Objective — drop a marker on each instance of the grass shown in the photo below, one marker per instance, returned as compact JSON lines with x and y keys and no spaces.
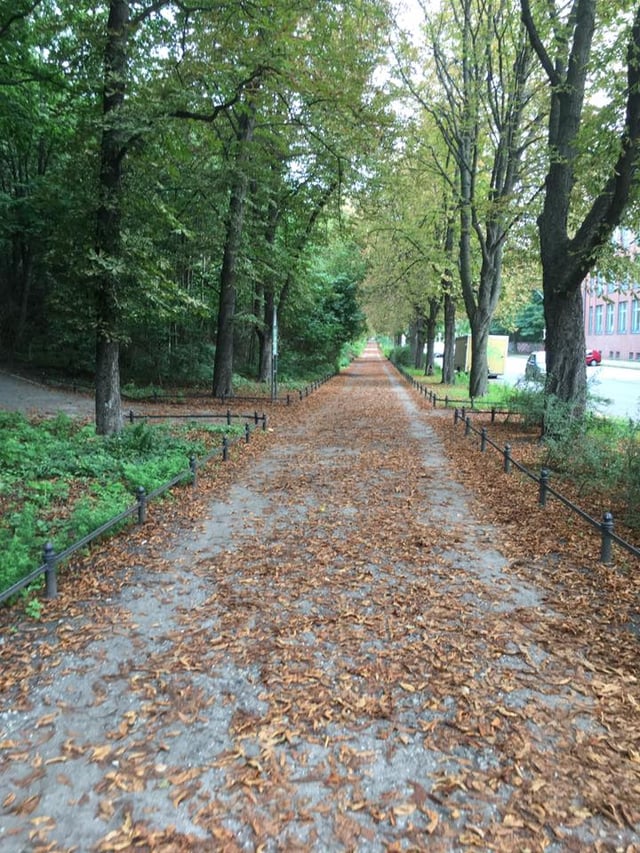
{"x":59,"y":481}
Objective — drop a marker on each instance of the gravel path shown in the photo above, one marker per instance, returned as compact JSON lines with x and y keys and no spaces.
{"x":335,"y":658}
{"x":18,"y":394}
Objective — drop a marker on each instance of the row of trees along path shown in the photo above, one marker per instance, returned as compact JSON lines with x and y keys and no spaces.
{"x":325,"y":649}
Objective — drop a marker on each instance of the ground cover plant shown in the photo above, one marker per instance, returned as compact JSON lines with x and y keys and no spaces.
{"x":60,"y":481}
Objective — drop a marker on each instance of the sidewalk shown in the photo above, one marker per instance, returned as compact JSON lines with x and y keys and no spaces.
{"x":336,"y":657}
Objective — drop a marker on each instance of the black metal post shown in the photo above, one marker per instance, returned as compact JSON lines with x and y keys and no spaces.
{"x":483,"y":439}
{"x":467,"y":426}
{"x":507,"y":459}
{"x":50,"y":572}
{"x":544,"y":482}
{"x":247,"y":433}
{"x":606,"y":548}
{"x":141,"y":497}
{"x":225,"y":448}
{"x":193,"y":465}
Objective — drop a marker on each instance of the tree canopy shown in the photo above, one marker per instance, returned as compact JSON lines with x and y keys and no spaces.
{"x":176,"y":176}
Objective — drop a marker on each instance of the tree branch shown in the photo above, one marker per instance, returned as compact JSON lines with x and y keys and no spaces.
{"x":17,"y":16}
{"x":536,"y":43}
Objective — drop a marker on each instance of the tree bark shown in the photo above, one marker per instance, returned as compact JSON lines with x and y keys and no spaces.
{"x":223,"y":362}
{"x":448,"y":367}
{"x":431,"y":321}
{"x":108,"y":237}
{"x":265,"y":336}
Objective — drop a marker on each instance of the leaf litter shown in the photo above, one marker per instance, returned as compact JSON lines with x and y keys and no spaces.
{"x":354,"y":636}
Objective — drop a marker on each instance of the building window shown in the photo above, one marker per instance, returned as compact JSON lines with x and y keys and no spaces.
{"x":610,"y":318}
{"x":590,"y":326}
{"x":635,"y":316}
{"x":622,"y":318}
{"x":599,"y":319}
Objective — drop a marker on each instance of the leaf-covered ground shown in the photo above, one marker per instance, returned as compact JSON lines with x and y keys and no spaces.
{"x":342,"y":642}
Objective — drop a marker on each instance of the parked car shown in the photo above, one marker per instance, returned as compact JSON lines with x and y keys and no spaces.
{"x":536,"y":365}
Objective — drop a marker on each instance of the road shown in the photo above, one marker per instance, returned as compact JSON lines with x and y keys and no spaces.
{"x":619,"y":384}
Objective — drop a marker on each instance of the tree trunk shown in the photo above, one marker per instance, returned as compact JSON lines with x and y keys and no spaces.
{"x":431,"y":321}
{"x":223,"y":362}
{"x":112,"y":152}
{"x":448,"y":367}
{"x":479,"y":362}
{"x":417,"y":337}
{"x":565,"y":363}
{"x":265,"y":337}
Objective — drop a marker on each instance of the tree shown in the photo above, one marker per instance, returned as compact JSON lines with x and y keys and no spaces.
{"x":113,"y":148}
{"x":483,"y":66}
{"x":572,"y":234}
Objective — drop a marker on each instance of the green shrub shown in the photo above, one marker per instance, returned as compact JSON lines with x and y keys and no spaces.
{"x":43,"y":465}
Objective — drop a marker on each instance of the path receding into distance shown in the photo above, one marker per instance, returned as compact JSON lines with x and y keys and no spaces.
{"x":335,"y":657}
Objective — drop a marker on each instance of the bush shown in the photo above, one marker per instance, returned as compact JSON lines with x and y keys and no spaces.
{"x":401,"y":356}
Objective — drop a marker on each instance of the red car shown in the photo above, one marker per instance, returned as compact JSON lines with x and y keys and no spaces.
{"x":594,"y":356}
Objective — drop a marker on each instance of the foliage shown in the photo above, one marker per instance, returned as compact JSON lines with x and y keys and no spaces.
{"x":60,"y":481}
{"x":401,"y":356}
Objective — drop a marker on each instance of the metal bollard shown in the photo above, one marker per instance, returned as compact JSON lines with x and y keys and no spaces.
{"x":544,"y":483}
{"x":467,"y":426}
{"x":141,"y":497}
{"x":50,"y":571}
{"x":228,"y":417}
{"x":264,"y":423}
{"x":193,"y":465}
{"x":483,"y":439}
{"x":247,"y":433}
{"x":455,"y":416}
{"x":507,"y":459}
{"x":606,"y":547}
{"x":225,"y":448}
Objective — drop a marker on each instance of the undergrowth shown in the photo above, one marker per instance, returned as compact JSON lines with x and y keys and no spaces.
{"x":59,"y":481}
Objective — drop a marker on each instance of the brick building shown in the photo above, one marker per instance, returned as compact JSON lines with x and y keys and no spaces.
{"x":612,"y":310}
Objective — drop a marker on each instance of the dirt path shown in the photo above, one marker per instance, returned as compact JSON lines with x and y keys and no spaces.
{"x":335,"y":658}
{"x":18,"y":394}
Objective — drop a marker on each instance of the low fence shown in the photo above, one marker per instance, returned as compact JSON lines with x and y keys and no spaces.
{"x":444,"y":399}
{"x":605,"y":526}
{"x":156,"y":397}
{"x":51,"y":559}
